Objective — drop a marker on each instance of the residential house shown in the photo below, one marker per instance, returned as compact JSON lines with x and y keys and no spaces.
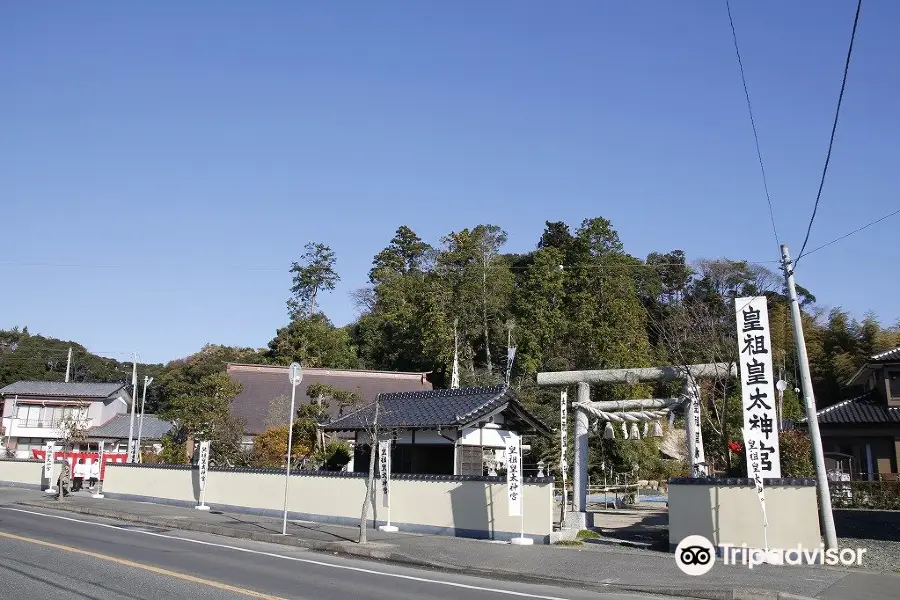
{"x":114,"y":433}
{"x":864,"y":430}
{"x":443,"y":432}
{"x":33,"y":411}
{"x":267,"y":387}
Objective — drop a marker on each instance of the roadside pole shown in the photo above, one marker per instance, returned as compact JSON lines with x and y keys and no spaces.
{"x":809,"y":400}
{"x":296,"y":376}
{"x":49,"y":456}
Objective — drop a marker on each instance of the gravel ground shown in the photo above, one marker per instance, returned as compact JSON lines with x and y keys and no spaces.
{"x":880,"y":555}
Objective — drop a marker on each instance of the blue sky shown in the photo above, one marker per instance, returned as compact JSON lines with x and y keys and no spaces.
{"x":177,"y":156}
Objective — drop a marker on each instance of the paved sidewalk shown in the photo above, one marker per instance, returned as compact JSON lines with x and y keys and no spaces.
{"x":594,"y":566}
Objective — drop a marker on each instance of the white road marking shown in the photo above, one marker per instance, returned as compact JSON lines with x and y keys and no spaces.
{"x":294,"y":558}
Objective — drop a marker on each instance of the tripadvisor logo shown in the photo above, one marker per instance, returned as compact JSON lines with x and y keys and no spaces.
{"x":695,"y":555}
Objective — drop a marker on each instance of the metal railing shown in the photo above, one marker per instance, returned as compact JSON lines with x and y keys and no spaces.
{"x":44,"y":423}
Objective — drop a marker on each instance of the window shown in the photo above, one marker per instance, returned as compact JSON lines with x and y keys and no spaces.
{"x":894,"y":384}
{"x":29,"y":444}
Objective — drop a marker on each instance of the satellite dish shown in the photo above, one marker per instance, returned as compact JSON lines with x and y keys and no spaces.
{"x":781,"y":385}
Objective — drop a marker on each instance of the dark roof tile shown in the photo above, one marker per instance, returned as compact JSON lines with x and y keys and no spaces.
{"x":437,"y":408}
{"x":861,"y":410}
{"x":61,"y":389}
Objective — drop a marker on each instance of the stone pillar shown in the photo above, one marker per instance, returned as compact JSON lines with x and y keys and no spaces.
{"x":581,"y":450}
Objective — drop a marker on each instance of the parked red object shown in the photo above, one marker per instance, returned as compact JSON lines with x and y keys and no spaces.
{"x":89,"y":458}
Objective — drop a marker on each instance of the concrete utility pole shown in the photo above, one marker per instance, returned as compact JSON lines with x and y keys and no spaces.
{"x":134,"y":392}
{"x":147,"y":381}
{"x":68,"y":364}
{"x":810,"y":402}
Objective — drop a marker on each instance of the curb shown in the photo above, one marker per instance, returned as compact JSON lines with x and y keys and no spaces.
{"x":354,"y":550}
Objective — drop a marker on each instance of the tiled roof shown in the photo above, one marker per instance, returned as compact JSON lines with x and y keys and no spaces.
{"x":118,"y":428}
{"x":263,"y":383}
{"x":59,"y":388}
{"x":862,"y":410}
{"x":438,"y":408}
{"x":888,"y":355}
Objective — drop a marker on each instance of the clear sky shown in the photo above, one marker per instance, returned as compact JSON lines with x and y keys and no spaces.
{"x":162,"y":163}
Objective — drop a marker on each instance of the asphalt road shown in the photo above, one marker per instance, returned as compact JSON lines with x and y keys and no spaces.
{"x":51,"y":555}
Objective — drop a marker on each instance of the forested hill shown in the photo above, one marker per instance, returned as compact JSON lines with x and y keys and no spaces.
{"x":578,"y":300}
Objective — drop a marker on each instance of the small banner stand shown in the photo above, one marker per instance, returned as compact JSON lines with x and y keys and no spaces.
{"x":515,"y":489}
{"x":384,"y":468}
{"x":99,"y":492}
{"x":204,"y":470}
{"x":49,"y":456}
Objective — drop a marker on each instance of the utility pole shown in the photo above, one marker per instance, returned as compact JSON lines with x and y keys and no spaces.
{"x":134,"y":392}
{"x":147,"y":381}
{"x":68,"y":364}
{"x":810,"y":403}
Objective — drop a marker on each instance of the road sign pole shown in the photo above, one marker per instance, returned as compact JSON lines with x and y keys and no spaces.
{"x":296,"y":376}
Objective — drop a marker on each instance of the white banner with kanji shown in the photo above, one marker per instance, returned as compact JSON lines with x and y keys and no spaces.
{"x":758,"y":388}
{"x":384,"y":469}
{"x":514,"y":486}
{"x":203,"y":463}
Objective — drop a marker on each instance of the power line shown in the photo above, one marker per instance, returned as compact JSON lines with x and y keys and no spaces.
{"x":762,"y":169}
{"x":855,"y":231}
{"x":837,"y":113}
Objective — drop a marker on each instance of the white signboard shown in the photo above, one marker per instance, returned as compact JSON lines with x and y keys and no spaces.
{"x":49,"y":455}
{"x":757,"y":387}
{"x":699,"y":453}
{"x":204,"y":463}
{"x":514,"y":485}
{"x":384,"y":468}
{"x":563,"y":428}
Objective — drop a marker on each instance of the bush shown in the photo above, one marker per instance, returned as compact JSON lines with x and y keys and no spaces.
{"x":877,"y":495}
{"x":335,"y":456}
{"x":796,"y":454}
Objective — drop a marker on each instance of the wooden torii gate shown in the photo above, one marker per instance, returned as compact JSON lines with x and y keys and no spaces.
{"x":584,"y":408}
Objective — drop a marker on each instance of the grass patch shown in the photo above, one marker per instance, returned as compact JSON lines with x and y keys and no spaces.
{"x":587,"y":534}
{"x":569,"y":543}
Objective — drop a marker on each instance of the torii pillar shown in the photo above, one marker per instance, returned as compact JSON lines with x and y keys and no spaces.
{"x":583,"y":379}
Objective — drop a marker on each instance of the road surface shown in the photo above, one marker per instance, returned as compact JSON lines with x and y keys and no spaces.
{"x":48,"y":555}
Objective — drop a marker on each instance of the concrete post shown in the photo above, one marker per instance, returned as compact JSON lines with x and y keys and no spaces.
{"x":581,"y":449}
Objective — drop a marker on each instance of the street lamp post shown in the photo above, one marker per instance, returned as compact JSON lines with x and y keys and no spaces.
{"x":147,"y":381}
{"x":296,"y":376}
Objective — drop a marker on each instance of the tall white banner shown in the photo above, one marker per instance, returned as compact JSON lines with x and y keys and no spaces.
{"x":564,"y":444}
{"x":514,"y":486}
{"x":49,"y":455}
{"x":758,"y":388}
{"x":203,"y":463}
{"x":384,"y":468}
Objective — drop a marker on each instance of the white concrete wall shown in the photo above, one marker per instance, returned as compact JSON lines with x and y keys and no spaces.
{"x":731,"y":514}
{"x":428,"y":505}
{"x":24,"y":473}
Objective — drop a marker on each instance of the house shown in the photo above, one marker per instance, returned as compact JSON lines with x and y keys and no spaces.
{"x":267,"y":390}
{"x":864,"y":430}
{"x":34,"y":410}
{"x":114,"y":433}
{"x":442,"y":432}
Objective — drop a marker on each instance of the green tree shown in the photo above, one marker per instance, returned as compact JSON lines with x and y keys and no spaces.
{"x":315,"y":272}
{"x":203,"y":412}
{"x":313,"y":341}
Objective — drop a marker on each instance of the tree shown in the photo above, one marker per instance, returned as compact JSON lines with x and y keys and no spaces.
{"x":203,"y":412}
{"x":313,"y":341}
{"x":315,"y":272}
{"x":371,"y":430}
{"x":270,"y":448}
{"x":405,"y":254}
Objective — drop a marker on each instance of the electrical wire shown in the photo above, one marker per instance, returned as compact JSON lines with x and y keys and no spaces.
{"x":834,"y":125}
{"x":762,"y":169}
{"x":855,"y":231}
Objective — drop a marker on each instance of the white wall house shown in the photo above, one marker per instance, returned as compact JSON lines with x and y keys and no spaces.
{"x":34,"y":410}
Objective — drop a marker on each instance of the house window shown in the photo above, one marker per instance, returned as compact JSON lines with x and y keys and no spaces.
{"x":29,"y":444}
{"x":894,"y":384}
